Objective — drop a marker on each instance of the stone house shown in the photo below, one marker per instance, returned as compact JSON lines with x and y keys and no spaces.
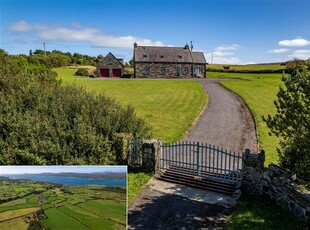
{"x":110,"y":66}
{"x":168,"y":62}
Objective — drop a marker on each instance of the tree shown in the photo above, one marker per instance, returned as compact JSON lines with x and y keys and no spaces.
{"x":292,"y":121}
{"x":81,"y":72}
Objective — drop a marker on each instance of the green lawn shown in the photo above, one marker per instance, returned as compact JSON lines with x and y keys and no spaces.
{"x":168,"y":106}
{"x":258,"y":91}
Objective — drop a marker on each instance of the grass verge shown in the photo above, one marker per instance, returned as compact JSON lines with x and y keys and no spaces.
{"x":256,"y":213}
{"x":136,"y":182}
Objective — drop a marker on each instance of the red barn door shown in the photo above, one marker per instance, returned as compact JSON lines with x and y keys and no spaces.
{"x":116,"y":73}
{"x":104,"y":72}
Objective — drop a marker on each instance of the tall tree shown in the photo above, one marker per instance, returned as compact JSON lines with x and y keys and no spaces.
{"x":292,"y":121}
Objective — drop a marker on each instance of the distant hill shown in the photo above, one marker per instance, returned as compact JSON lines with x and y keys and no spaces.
{"x":97,"y":175}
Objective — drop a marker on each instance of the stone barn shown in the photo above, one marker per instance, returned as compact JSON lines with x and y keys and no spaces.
{"x":110,"y":66}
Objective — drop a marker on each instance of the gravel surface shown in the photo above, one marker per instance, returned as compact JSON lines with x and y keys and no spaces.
{"x":226,"y":121}
{"x":155,"y":210}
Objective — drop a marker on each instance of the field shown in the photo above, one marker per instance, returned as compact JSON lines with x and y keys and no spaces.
{"x":168,"y":106}
{"x":63,"y":207}
{"x":268,"y":68}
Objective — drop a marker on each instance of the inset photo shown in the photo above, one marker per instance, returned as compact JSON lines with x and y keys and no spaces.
{"x":63,"y":197}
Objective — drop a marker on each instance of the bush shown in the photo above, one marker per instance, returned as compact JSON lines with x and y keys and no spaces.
{"x":292,"y":121}
{"x":81,"y":72}
{"x":43,"y":122}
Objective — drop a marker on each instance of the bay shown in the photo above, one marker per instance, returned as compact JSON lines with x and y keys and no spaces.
{"x":71,"y":181}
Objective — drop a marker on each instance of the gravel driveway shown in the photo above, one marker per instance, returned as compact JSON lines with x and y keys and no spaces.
{"x":226,"y":122}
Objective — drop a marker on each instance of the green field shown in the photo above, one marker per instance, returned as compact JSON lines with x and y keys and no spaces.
{"x":64,"y":207}
{"x":258,"y":91}
{"x":168,"y":106}
{"x":247,"y":68}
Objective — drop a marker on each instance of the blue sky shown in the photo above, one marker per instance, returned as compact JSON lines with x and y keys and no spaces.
{"x":56,"y":169}
{"x":234,"y":31}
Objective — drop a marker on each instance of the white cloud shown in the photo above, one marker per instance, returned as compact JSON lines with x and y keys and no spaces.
{"x":23,"y":26}
{"x":294,"y":42}
{"x":300,"y":54}
{"x":225,"y":55}
{"x":278,"y":51}
{"x":227,"y":48}
{"x":81,"y":34}
{"x":221,"y":53}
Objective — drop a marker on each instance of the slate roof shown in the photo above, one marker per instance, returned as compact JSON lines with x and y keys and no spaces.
{"x":167,"y":55}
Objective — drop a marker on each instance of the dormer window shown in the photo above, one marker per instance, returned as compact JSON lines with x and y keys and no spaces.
{"x":144,"y":56}
{"x":180,"y":56}
{"x":161,"y":56}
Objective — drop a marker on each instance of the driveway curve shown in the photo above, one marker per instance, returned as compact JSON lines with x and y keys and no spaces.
{"x":225,"y":122}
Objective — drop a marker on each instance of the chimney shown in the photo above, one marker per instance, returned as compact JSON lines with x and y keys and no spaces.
{"x":135,"y":45}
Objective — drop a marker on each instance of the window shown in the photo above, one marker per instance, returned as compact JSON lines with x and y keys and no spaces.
{"x":185,"y":70}
{"x":180,"y":56}
{"x":177,"y":71}
{"x":161,"y":56}
{"x":162,"y":70}
{"x":147,"y":70}
{"x":144,"y":56}
{"x":110,"y":61}
{"x":197,"y":70}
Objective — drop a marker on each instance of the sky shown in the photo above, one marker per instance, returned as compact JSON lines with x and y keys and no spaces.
{"x":226,"y":31}
{"x":57,"y":169}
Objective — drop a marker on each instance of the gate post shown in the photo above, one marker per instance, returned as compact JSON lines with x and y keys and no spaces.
{"x":253,"y":168}
{"x":151,"y":154}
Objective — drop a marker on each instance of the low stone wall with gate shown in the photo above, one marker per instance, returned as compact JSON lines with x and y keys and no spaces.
{"x":273,"y":182}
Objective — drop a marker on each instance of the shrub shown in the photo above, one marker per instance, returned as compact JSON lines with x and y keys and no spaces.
{"x":43,"y":122}
{"x":292,"y":121}
{"x":81,"y":72}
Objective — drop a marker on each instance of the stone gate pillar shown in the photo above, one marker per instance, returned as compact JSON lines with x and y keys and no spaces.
{"x":151,"y":154}
{"x":253,"y":169}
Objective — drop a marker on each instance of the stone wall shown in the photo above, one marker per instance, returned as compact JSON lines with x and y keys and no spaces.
{"x":276,"y":183}
{"x":287,"y":191}
{"x":169,"y":70}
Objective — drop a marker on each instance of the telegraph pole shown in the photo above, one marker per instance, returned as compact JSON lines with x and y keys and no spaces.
{"x":212,"y":58}
{"x":44,"y":49}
